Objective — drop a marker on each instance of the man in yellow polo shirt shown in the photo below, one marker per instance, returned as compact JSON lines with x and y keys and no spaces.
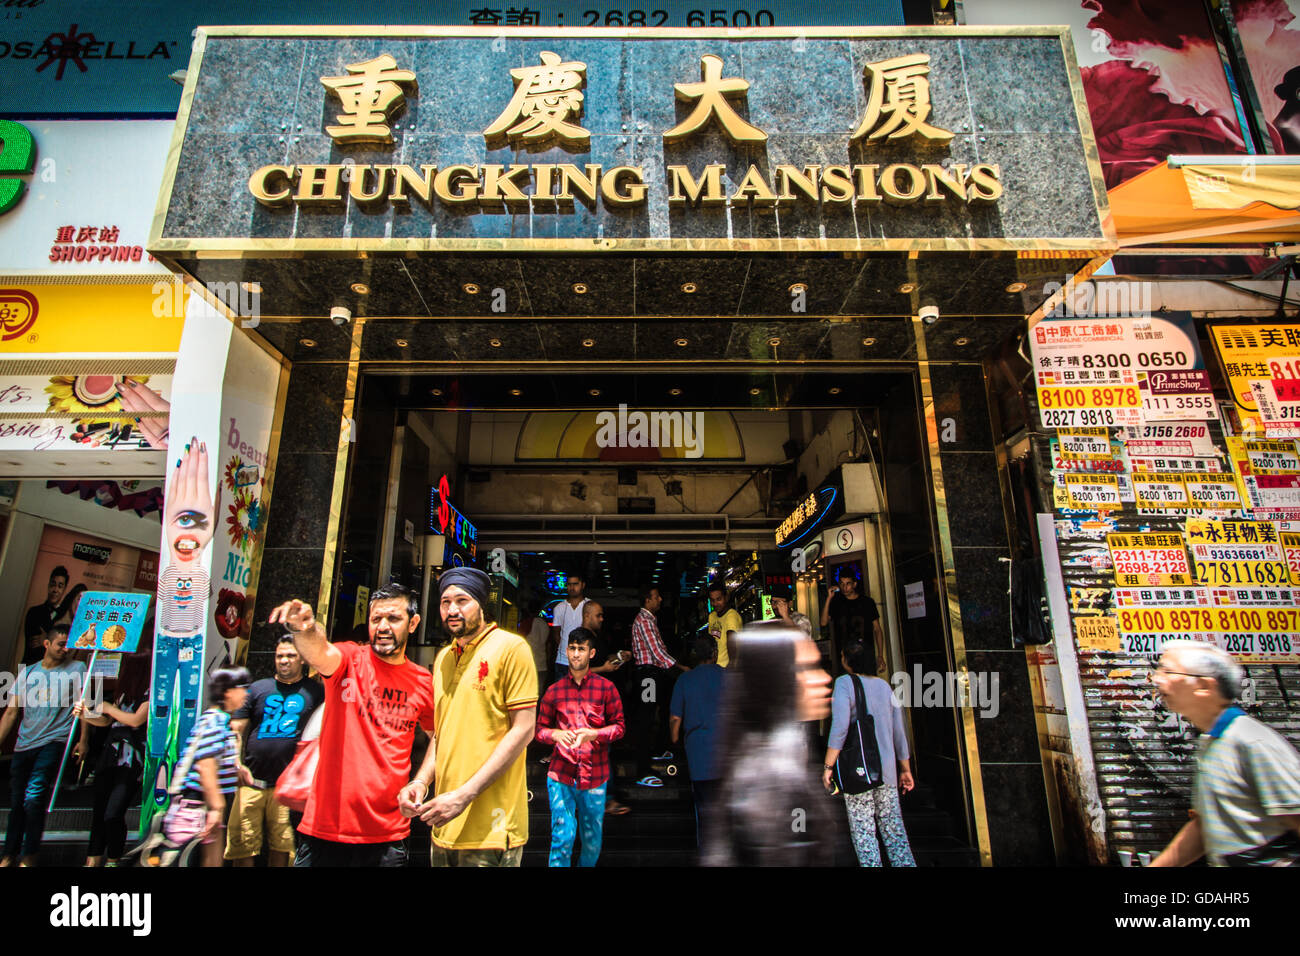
{"x":485,"y":698}
{"x":724,"y":623}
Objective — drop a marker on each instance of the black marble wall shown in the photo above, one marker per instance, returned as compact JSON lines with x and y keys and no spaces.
{"x":298,"y":519}
{"x":1014,"y":790}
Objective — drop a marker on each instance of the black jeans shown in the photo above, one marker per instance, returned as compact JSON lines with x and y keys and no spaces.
{"x":116,"y":788}
{"x":648,"y":738}
{"x":327,"y":853}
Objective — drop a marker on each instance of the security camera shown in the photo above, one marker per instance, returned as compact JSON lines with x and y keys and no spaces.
{"x":929,"y":314}
{"x":340,"y":316}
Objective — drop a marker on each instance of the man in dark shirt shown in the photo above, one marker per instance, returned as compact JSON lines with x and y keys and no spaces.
{"x":41,"y":617}
{"x":269,"y":724}
{"x":695,"y":709}
{"x":856,"y":618}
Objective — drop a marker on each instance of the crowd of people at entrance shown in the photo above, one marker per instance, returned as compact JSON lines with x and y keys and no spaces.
{"x":741,"y":710}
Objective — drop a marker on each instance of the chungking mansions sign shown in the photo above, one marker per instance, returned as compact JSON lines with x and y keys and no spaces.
{"x":834,"y":139}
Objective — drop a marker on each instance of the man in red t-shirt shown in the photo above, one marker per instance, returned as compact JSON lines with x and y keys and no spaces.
{"x":374,"y":698}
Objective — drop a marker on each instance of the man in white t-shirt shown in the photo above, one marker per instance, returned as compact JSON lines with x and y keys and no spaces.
{"x":567,"y":616}
{"x":45,"y":693}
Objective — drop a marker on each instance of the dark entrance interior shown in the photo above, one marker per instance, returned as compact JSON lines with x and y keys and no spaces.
{"x":695,"y":521}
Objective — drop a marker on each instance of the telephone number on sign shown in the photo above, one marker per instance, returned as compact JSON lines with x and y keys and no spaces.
{"x":1208,"y":619}
{"x":1094,"y":496}
{"x":1232,"y":572}
{"x":1212,"y":493}
{"x":1256,"y":643}
{"x":1178,"y":402}
{"x":694,"y":18}
{"x":1151,"y":567}
{"x":1148,"y":643}
{"x":1096,"y":396}
{"x":1071,"y":417}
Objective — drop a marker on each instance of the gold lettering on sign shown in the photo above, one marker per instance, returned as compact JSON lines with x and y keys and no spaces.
{"x":710,"y":99}
{"x":837,"y":186}
{"x":406,"y":178}
{"x":684,"y":188}
{"x":318,"y":184}
{"x":517,"y":187}
{"x":546,"y":98}
{"x":753,"y":188}
{"x":370,"y":94}
{"x":259,"y":184}
{"x":499,"y":185}
{"x":805,"y":181}
{"x":898,"y":100}
{"x":633,"y":186}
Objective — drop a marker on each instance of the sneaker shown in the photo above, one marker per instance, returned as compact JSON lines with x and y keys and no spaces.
{"x":650,"y":781}
{"x":663,"y":757}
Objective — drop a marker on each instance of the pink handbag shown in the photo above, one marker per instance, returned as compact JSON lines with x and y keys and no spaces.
{"x":185,"y":820}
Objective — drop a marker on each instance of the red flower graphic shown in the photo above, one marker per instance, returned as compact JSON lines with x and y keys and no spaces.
{"x":482,"y":671}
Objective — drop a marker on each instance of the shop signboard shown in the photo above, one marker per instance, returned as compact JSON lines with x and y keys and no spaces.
{"x":809,"y":514}
{"x":1236,"y":553}
{"x":109,"y":621}
{"x":76,"y":56}
{"x":1149,"y":559}
{"x":449,"y":153}
{"x":445,"y":519}
{"x":1092,"y":492}
{"x":1105,"y":372}
{"x":89,"y":199}
{"x":1257,"y":634}
{"x":1162,"y":596}
{"x":1262,"y":365}
{"x":1267,"y":475}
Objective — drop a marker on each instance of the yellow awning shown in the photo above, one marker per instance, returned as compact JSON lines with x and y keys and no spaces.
{"x":1208,"y":203}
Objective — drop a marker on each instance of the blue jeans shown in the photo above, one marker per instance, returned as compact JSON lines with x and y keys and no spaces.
{"x":175,"y":657}
{"x":31,"y":773}
{"x":573,"y":810}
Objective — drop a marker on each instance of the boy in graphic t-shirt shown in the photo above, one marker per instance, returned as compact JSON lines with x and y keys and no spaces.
{"x":374,"y":699}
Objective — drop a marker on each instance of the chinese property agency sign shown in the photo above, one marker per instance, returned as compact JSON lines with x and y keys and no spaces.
{"x":833,"y":140}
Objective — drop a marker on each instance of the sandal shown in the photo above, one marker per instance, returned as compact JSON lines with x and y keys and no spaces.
{"x":617,"y":810}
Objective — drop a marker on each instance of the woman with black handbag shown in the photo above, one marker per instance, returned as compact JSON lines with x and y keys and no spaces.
{"x":868,"y":760}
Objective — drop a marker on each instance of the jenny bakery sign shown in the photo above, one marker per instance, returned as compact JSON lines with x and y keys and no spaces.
{"x":691,"y":139}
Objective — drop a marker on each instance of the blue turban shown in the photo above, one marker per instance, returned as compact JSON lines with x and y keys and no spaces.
{"x":471,"y":580}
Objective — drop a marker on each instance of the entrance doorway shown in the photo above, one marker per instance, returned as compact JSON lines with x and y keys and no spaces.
{"x":550,"y":477}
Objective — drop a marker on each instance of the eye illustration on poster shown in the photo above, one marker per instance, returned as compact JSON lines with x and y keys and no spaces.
{"x":189,"y":524}
{"x":189,"y":521}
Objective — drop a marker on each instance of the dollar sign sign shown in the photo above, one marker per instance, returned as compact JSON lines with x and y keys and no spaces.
{"x":444,"y":507}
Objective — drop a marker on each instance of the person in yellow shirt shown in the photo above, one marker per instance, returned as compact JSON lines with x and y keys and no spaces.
{"x":485,"y":697}
{"x":724,"y":624}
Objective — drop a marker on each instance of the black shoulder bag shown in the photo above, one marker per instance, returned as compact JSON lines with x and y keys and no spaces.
{"x":857,"y":768}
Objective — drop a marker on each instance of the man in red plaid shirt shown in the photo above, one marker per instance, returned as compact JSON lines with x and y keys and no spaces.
{"x":581,"y":715}
{"x":653,"y":669}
